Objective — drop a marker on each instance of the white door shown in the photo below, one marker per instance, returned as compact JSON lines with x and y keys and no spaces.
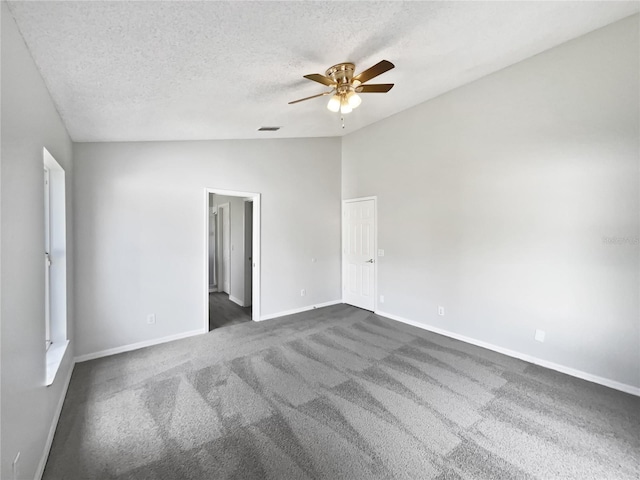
{"x":248,"y":252}
{"x":47,"y":259}
{"x":358,"y":247}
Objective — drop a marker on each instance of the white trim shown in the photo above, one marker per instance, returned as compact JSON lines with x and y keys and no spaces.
{"x":255,"y":254}
{"x":54,"y":425}
{"x":375,"y":246}
{"x":256,"y":258}
{"x":623,"y":387}
{"x":359,"y":199}
{"x":136,"y":346}
{"x":299,"y":310}
{"x":55,"y":354}
{"x":236,"y":300}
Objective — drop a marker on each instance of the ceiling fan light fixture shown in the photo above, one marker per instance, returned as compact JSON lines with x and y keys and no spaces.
{"x":334,"y":103}
{"x":354,"y":99}
{"x":345,"y":107}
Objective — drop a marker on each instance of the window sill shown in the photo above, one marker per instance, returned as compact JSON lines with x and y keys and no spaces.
{"x":55,"y":354}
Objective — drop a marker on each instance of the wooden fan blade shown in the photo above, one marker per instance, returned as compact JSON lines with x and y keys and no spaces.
{"x":375,"y":88}
{"x":378,"y":69}
{"x":309,"y":98}
{"x":316,"y":77}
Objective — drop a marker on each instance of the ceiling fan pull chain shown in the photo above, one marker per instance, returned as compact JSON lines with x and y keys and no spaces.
{"x":342,"y":120}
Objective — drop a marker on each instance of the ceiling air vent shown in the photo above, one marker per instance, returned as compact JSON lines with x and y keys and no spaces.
{"x":268,"y":129}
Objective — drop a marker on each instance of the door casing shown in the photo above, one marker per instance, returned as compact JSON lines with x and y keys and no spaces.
{"x":256,"y":252}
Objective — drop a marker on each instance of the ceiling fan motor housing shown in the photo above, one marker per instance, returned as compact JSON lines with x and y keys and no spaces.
{"x":341,"y":74}
{"x":345,"y":86}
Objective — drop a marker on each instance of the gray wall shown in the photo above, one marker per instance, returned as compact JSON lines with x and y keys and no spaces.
{"x":513,"y":202}
{"x":29,"y":123}
{"x":140,"y":230}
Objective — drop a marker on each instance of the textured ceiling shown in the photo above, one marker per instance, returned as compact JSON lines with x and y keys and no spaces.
{"x":151,"y":70}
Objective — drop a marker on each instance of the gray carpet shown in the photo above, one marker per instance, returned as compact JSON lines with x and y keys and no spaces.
{"x":337,"y":393}
{"x":223,"y":312}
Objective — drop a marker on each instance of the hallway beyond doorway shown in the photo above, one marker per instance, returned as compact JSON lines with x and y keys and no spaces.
{"x":223,"y":312}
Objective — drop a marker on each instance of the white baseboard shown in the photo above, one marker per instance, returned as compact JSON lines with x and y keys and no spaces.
{"x":299,"y":310}
{"x":236,"y":300}
{"x":54,"y":424}
{"x":136,"y":346}
{"x":623,"y":387}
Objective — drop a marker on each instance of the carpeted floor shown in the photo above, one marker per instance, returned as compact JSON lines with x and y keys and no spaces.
{"x":223,"y":312}
{"x":337,"y":393}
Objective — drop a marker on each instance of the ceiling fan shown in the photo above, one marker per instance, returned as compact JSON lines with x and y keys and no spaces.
{"x":345,"y":87}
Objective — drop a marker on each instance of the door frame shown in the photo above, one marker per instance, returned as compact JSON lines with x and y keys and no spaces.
{"x":245,"y":260}
{"x":255,"y":252}
{"x":375,"y":246}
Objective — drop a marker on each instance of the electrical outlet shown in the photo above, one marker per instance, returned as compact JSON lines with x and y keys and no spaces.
{"x":14,"y":466}
{"x":381,"y":298}
{"x":303,"y":292}
{"x":151,"y":319}
{"x":540,"y":334}
{"x":441,"y":311}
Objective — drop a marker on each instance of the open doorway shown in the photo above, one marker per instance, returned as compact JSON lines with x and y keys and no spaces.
{"x":232,"y":248}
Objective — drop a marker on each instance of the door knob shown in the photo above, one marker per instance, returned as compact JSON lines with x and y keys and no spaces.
{"x":369,"y":261}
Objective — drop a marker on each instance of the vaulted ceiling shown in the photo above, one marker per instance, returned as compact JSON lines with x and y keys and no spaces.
{"x":178,"y":70}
